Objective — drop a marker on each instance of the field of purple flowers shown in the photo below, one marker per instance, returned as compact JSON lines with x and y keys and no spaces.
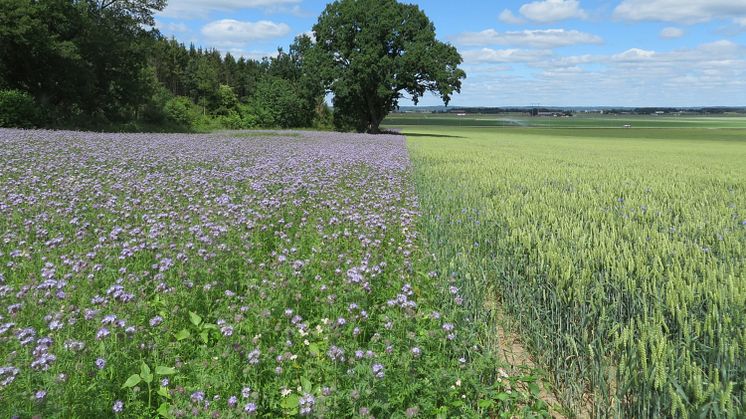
{"x":227,"y":276}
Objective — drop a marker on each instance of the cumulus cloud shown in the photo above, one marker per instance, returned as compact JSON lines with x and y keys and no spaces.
{"x":539,"y":38}
{"x":633,"y":55}
{"x":705,"y":75}
{"x":230,"y":31}
{"x":199,"y":8}
{"x":546,"y":11}
{"x":489,"y":55}
{"x":671,"y":33}
{"x":506,"y":16}
{"x":684,"y":11}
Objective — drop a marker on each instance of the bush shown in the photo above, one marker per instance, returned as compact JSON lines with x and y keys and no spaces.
{"x":232,"y":121}
{"x":18,"y":109}
{"x":323,"y":119}
{"x":277,"y":104}
{"x":154,"y":111}
{"x":179,"y":110}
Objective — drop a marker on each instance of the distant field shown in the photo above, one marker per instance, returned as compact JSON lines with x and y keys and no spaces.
{"x":578,"y":121}
{"x":618,"y":253}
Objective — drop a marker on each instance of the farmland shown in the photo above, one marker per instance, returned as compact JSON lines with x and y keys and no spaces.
{"x":618,"y":254}
{"x":278,"y":273}
{"x":231,"y":275}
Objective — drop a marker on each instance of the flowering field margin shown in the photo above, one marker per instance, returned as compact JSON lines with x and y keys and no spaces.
{"x":227,"y":276}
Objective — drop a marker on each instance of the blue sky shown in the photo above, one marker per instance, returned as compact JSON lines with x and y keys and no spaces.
{"x":522,"y":52}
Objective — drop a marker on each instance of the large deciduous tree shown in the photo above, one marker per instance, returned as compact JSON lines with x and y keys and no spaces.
{"x":370,"y":53}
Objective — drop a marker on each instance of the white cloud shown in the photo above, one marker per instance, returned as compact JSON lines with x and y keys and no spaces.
{"x":175,"y":27}
{"x":741,"y":22}
{"x":546,"y":11}
{"x":633,"y":55}
{"x":230,"y":31}
{"x":200,"y":8}
{"x":671,"y":33}
{"x":253,"y":55}
{"x":540,"y":38}
{"x":506,"y":16}
{"x":489,"y":55}
{"x":684,"y":11}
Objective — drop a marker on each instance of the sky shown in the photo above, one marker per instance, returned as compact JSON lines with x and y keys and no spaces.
{"x":526,"y":52}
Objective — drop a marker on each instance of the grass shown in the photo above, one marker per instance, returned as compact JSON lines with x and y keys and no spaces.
{"x":617,"y":253}
{"x":449,"y":121}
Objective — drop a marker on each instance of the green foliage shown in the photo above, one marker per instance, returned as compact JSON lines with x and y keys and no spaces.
{"x":617,"y":253}
{"x":93,"y":65}
{"x":369,"y":52}
{"x":323,"y":118}
{"x":180,"y":111}
{"x":18,"y":109}
{"x":227,"y":102}
{"x":86,"y":56}
{"x":277,"y":104}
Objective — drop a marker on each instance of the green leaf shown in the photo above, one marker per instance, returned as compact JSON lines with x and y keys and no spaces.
{"x":210,"y":326}
{"x":183,"y":334}
{"x":163,"y":410}
{"x":195,"y":318}
{"x":145,"y":373}
{"x":485,"y":403}
{"x":204,"y":335}
{"x":534,"y":389}
{"x":306,"y":384}
{"x":290,"y":402}
{"x":161,"y":370}
{"x":502,"y":396}
{"x":132,"y":381}
{"x":163,"y":391}
{"x":314,"y":349}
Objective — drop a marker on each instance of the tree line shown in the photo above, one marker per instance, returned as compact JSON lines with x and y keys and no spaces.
{"x":100,"y":64}
{"x":95,"y":64}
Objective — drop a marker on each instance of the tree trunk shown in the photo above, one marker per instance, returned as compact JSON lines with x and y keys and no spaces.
{"x":374,"y":127}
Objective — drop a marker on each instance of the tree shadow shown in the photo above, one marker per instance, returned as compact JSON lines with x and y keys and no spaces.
{"x":416,"y":134}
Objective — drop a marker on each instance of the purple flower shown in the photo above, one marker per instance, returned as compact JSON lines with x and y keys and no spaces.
{"x":306,"y":404}
{"x":102,"y":333}
{"x":232,"y":401}
{"x":245,"y":392}
{"x":198,"y":396}
{"x":118,"y":406}
{"x":378,"y":371}
{"x":254,"y":356}
{"x":40,"y":394}
{"x":250,"y":408}
{"x":336,"y":354}
{"x":155,"y":321}
{"x":100,"y":363}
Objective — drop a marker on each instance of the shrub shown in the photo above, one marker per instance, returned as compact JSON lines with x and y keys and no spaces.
{"x":179,"y":111}
{"x":17,"y":109}
{"x":277,"y":104}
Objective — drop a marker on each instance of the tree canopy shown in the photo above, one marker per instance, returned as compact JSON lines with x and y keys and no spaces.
{"x":97,"y":64}
{"x":370,"y":53}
